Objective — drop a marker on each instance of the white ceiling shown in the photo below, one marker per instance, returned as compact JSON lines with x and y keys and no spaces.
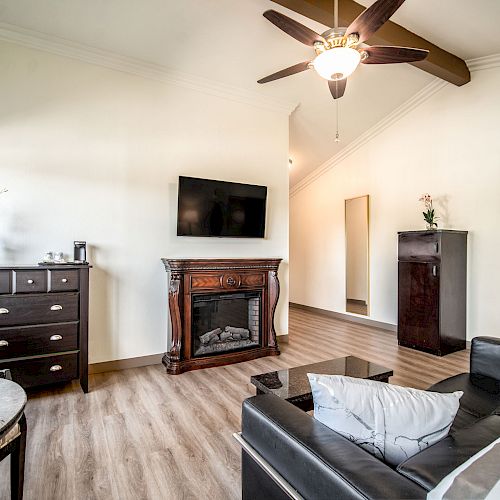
{"x":464,"y":28}
{"x":230,"y":42}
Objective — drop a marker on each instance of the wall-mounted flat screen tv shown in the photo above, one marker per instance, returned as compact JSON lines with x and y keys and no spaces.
{"x":217,"y":208}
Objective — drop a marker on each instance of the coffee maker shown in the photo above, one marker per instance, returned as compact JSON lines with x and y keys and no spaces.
{"x":80,"y":253}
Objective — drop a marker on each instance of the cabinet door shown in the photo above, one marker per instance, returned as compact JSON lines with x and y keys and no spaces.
{"x":418,"y":308}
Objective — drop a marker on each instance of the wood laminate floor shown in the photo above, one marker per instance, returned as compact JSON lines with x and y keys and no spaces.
{"x":142,"y":434}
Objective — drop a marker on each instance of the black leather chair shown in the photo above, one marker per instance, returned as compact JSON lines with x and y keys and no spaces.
{"x":289,"y":454}
{"x":481,"y":386}
{"x":477,"y":423}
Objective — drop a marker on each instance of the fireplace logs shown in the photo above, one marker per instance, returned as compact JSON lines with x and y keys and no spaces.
{"x":211,"y":336}
{"x":218,"y":341}
{"x":241,"y":332}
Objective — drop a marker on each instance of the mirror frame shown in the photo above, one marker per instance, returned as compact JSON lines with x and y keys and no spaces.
{"x":368,"y":295}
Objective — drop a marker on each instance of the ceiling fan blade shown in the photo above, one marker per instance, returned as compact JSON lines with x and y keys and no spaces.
{"x":379,"y":54}
{"x":371,"y":19}
{"x":296,"y":68}
{"x":293,"y":28}
{"x":337,"y":87}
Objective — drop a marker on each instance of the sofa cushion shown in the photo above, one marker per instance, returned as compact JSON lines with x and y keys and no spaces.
{"x":481,"y":397}
{"x":391,"y":422}
{"x":430,"y":466}
{"x":477,"y":478}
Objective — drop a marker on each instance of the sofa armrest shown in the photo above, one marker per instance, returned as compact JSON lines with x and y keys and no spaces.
{"x":485,"y":357}
{"x":313,"y":459}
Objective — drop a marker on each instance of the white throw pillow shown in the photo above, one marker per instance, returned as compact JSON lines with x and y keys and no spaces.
{"x":391,"y":422}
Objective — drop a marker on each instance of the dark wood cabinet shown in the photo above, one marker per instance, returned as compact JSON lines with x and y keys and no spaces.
{"x":44,"y":324}
{"x":432,"y":290}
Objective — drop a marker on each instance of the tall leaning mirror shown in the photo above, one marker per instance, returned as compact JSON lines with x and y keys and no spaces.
{"x":357,"y":214}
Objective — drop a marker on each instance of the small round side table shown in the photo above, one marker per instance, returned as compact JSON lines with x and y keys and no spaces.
{"x":13,"y":433}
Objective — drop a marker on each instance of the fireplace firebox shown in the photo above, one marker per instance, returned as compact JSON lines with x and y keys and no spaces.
{"x":222,"y":311}
{"x":224,"y":322}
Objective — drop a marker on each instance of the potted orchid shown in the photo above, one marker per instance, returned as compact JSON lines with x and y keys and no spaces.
{"x":429,"y":214}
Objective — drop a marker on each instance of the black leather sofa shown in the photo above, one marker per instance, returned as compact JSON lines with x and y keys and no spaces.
{"x":288,"y":454}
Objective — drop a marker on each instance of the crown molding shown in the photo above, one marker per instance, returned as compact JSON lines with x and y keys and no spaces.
{"x":486,"y":62}
{"x":62,"y":47}
{"x":420,"y":97}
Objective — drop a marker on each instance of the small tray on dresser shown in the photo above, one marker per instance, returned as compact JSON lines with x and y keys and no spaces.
{"x":65,"y":263}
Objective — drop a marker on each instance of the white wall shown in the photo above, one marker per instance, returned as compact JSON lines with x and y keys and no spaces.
{"x":94,"y":154}
{"x":447,"y":146}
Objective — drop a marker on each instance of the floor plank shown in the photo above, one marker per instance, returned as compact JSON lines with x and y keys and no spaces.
{"x":142,"y":434}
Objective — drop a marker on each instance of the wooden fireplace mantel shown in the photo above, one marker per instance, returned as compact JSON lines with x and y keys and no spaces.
{"x":189,"y":277}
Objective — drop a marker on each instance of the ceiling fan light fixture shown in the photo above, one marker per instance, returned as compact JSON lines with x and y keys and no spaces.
{"x":337,"y":63}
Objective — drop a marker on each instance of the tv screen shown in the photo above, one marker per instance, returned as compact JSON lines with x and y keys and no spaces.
{"x":224,"y":209}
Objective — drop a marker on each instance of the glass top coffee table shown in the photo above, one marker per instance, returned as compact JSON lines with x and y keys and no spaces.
{"x":292,"y":384}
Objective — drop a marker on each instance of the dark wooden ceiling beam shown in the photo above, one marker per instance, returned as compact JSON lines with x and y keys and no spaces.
{"x":439,"y":62}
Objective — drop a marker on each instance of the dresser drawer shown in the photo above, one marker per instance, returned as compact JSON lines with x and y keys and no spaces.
{"x":34,"y":340}
{"x":42,"y":308}
{"x":43,"y":370}
{"x":5,"y":281}
{"x":422,"y":246}
{"x":64,"y":281}
{"x":30,"y":281}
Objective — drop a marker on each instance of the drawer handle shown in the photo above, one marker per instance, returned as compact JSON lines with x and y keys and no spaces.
{"x":56,"y":307}
{"x":56,"y":337}
{"x":30,"y":282}
{"x":3,"y":343}
{"x":55,"y":368}
{"x":64,"y":280}
{"x":3,"y":310}
{"x":231,"y":281}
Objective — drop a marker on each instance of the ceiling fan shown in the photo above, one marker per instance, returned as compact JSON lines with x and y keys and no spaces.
{"x":338,"y":50}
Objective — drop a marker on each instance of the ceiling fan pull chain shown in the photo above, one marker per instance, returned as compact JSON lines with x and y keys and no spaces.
{"x":337,"y":134}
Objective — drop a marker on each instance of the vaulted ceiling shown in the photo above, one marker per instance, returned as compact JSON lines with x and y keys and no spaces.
{"x":230,"y":42}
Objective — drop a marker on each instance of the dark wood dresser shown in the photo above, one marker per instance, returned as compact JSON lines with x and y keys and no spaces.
{"x":44,"y":324}
{"x":432,"y":297}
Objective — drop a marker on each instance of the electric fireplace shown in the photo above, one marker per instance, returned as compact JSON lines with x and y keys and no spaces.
{"x":222,"y":311}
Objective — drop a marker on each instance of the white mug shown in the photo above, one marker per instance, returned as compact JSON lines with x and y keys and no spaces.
{"x":48,"y":257}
